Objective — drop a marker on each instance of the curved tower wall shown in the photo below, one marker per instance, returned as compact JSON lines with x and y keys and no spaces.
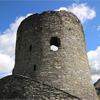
{"x":67,"y":68}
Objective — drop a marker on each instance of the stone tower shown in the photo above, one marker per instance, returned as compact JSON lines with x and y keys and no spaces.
{"x":51,"y":49}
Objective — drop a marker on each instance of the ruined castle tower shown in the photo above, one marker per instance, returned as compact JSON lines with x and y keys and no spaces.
{"x":51,"y":49}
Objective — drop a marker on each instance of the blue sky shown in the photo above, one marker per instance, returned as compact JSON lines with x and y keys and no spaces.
{"x":12,"y":12}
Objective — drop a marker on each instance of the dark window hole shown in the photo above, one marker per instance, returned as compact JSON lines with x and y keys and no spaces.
{"x":55,"y":41}
{"x":34,"y":67}
{"x":30,"y":48}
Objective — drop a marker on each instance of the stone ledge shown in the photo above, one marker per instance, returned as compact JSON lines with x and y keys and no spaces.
{"x":19,"y":87}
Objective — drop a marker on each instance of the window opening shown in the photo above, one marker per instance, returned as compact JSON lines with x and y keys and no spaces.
{"x":54,"y":43}
{"x":30,"y":48}
{"x":34,"y":67}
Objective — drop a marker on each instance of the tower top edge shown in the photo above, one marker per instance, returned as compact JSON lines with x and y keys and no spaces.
{"x":51,"y":12}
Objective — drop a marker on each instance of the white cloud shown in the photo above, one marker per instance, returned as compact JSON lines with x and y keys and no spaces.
{"x":94,"y":60}
{"x":82,"y":11}
{"x":7,"y":47}
{"x":95,"y":77}
{"x":98,"y":28}
{"x":53,"y":48}
{"x":5,"y":74}
{"x":62,"y":8}
{"x":5,"y":62}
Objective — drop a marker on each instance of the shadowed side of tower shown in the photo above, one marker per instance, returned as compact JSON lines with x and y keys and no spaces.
{"x":50,"y":48}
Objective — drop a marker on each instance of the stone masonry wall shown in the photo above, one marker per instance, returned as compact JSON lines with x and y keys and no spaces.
{"x":21,"y":88}
{"x":66,"y":69}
